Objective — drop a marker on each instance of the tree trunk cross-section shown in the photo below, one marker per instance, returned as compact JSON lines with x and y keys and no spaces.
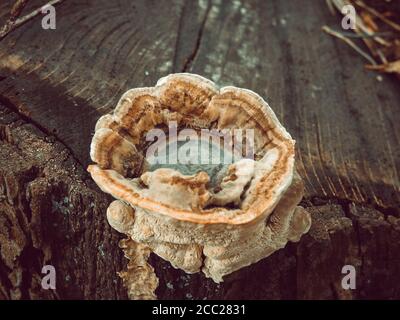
{"x":55,"y":84}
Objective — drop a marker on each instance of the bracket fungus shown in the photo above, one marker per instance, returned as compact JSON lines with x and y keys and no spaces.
{"x":215,"y":218}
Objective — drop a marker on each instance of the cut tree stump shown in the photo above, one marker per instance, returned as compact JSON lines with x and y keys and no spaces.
{"x":55,"y":84}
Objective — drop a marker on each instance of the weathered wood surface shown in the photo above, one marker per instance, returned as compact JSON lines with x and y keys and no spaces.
{"x":54,"y":85}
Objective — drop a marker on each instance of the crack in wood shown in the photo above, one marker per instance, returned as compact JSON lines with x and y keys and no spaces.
{"x":189,"y":61}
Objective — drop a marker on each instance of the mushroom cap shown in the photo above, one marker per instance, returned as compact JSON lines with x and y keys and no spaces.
{"x":196,"y":102}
